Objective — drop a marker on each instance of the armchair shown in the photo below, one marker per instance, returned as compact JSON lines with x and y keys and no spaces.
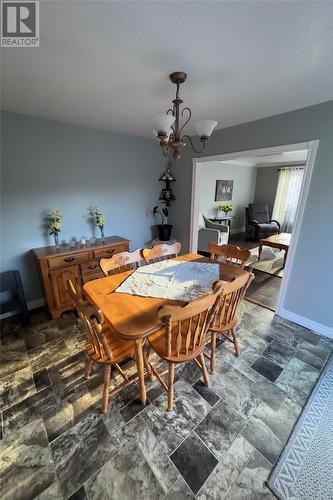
{"x":258,"y":222}
{"x":211,"y":232}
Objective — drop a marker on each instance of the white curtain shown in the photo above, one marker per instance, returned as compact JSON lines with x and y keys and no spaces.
{"x":287,"y":194}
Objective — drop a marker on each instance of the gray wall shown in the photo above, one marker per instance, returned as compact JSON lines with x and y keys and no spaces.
{"x":266,"y":185}
{"x":310,"y":293}
{"x":48,"y":164}
{"x":243,"y":189}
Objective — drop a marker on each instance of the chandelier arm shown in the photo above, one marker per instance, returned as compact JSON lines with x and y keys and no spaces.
{"x":193,"y":147}
{"x":165,"y":148}
{"x":189,"y":117}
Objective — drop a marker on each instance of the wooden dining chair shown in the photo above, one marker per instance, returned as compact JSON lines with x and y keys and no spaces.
{"x":121,"y":262}
{"x":182,"y":337}
{"x":225,"y":319}
{"x":161,"y":252}
{"x":230,"y":254}
{"x":102,"y":345}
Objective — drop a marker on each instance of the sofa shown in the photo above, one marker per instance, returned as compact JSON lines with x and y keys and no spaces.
{"x":211,"y":231}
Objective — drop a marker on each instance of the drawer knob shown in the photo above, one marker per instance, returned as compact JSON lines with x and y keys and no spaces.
{"x":69,"y":259}
{"x":110,"y":251}
{"x":93,"y":266}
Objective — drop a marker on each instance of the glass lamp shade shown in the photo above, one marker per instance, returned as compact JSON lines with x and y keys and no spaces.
{"x":162,"y":123}
{"x":205,"y":128}
{"x":164,"y":138}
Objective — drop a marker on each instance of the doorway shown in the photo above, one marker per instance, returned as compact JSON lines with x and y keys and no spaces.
{"x":296,"y":156}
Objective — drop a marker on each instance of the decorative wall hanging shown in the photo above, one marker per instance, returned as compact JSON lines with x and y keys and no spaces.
{"x":223,"y":190}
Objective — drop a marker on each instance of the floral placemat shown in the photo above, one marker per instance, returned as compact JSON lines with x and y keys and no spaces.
{"x":172,"y":279}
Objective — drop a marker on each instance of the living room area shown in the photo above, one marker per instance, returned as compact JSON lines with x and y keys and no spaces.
{"x":251,"y":202}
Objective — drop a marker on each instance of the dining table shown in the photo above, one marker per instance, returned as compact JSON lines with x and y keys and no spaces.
{"x":134,"y":317}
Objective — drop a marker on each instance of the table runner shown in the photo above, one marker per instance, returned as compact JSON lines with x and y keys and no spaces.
{"x":173,"y":280}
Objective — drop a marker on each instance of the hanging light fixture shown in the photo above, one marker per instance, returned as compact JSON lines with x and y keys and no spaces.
{"x":168,"y":129}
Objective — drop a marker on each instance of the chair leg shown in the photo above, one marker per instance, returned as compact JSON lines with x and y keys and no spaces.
{"x":204,"y":369}
{"x":212,"y":351}
{"x":170,"y":391}
{"x":146,"y":354}
{"x":88,"y":366}
{"x":236,"y":343}
{"x":107,"y":376}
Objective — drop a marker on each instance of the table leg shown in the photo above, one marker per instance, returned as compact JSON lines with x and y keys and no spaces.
{"x":285,"y":257}
{"x":259,"y":252}
{"x":141,"y":370}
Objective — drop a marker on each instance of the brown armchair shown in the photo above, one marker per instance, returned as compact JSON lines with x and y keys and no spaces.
{"x":258,"y":222}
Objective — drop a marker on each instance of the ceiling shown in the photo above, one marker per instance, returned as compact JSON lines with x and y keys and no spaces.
{"x":105,"y":64}
{"x":288,"y":158}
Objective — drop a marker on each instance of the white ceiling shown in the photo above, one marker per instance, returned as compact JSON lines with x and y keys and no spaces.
{"x":106,"y":63}
{"x":288,"y":158}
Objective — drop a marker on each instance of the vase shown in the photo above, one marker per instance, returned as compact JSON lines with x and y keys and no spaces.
{"x":102,"y":232}
{"x":164,"y":231}
{"x":56,"y":239}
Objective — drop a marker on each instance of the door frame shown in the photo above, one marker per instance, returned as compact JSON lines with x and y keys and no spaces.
{"x":312,"y":147}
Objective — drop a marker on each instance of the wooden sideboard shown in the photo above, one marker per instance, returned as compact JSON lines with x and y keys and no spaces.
{"x":80,"y":264}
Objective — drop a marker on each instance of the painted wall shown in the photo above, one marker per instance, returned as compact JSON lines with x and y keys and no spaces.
{"x":266,"y":186}
{"x":243,"y":189}
{"x":310,"y":293}
{"x":48,"y":164}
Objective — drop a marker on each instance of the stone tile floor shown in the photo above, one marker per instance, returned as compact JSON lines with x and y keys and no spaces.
{"x":219,"y":441}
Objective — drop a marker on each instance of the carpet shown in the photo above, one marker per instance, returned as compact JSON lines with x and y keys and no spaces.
{"x":304,"y":469}
{"x":271,"y":260}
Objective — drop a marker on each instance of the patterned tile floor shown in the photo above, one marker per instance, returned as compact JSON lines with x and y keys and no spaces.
{"x":219,"y":441}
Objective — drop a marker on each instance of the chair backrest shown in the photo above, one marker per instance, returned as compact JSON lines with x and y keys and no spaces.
{"x":229,"y":301}
{"x":212,"y":225}
{"x":121,"y":262}
{"x":229,"y":253}
{"x":186,"y":326}
{"x":259,"y":212}
{"x":9,"y":281}
{"x":161,"y":252}
{"x":201,"y":222}
{"x":92,"y":319}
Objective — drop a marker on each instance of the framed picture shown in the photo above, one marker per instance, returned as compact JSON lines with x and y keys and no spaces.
{"x":223,"y":190}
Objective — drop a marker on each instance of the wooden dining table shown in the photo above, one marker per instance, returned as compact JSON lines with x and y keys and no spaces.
{"x":134,"y":317}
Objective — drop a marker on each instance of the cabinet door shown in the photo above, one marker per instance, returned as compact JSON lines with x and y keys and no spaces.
{"x":59,"y":278}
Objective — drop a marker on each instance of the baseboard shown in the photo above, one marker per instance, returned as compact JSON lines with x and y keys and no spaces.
{"x":32,"y":304}
{"x":324,"y":330}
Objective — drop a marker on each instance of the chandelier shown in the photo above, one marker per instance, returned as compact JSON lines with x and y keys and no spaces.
{"x":168,"y":129}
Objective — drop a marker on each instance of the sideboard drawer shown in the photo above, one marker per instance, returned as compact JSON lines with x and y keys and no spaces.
{"x":102,"y":253}
{"x":72,"y":259}
{"x":91,"y":267}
